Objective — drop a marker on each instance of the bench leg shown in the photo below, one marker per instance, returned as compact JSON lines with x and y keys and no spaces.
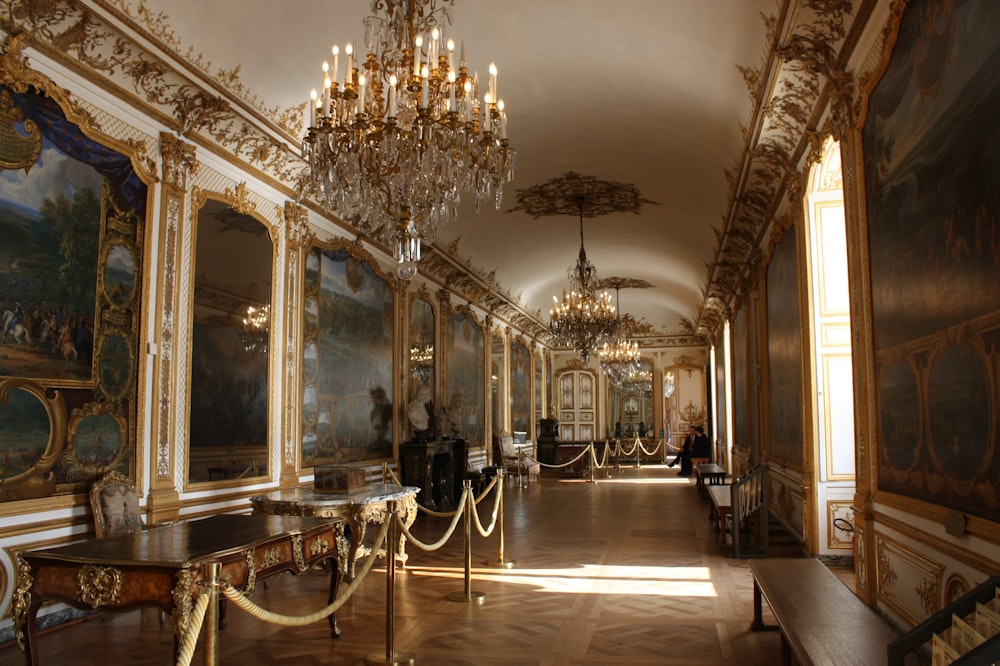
{"x":786,"y":651}
{"x":758,"y":609}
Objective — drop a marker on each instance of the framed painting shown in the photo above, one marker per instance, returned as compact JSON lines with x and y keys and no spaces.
{"x":466,"y":377}
{"x":347,"y":359}
{"x":931,"y":165}
{"x":72,"y":214}
{"x":520,"y":386}
{"x":784,"y":352}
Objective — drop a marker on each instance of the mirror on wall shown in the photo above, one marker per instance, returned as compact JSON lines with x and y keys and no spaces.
{"x":230,"y":344}
{"x":630,"y":405}
{"x":420,"y":409}
{"x":684,"y":397}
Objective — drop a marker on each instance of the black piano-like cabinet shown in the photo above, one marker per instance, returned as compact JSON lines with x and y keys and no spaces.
{"x":437,"y":468}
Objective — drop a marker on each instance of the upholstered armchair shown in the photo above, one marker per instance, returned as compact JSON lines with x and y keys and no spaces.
{"x":115,"y":503}
{"x":515,"y":464}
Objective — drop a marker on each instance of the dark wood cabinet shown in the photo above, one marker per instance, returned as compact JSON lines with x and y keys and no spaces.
{"x":437,"y":468}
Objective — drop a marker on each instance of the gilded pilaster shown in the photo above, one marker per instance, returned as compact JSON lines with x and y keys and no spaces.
{"x":298,"y":239}
{"x":178,"y":164}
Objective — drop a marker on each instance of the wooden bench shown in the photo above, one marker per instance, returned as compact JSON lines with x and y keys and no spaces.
{"x":821,"y":620}
{"x":708,"y":473}
{"x":721,"y":510}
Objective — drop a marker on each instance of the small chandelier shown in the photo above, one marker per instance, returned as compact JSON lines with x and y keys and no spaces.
{"x":256,"y":329}
{"x":640,"y":381}
{"x":584,"y":318}
{"x":619,"y":358}
{"x":397,"y":135}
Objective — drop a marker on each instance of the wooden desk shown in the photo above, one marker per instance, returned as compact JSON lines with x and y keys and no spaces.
{"x":359,"y":510}
{"x":163,"y":567}
{"x":821,"y":620}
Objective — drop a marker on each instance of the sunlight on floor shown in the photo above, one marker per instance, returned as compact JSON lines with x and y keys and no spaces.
{"x":593,"y":579}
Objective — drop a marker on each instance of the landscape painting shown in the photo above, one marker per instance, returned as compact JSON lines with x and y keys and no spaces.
{"x":348,"y":359}
{"x":50,"y":222}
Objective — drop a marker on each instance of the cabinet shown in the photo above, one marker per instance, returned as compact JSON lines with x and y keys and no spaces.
{"x":437,"y":468}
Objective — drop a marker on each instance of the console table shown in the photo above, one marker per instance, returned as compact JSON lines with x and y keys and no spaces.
{"x":368,"y":506}
{"x":164,"y":566}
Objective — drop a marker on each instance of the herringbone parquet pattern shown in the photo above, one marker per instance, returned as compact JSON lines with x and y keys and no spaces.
{"x":624,"y":571}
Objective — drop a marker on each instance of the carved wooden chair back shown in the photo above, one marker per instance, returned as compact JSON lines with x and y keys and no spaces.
{"x":115,"y":503}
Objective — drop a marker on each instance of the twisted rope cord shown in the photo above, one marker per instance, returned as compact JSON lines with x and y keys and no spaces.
{"x":650,"y":453}
{"x":447,"y":535}
{"x":604,"y":459}
{"x":256,"y":611}
{"x":493,"y":523}
{"x":189,"y":640}
{"x":486,"y":491}
{"x":622,"y":451}
{"x":561,"y":465}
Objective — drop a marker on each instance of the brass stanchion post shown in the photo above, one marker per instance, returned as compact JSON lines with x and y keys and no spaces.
{"x":391,"y":656}
{"x":212,"y":571}
{"x":593,"y":462}
{"x":468,"y":595}
{"x":501,"y":561}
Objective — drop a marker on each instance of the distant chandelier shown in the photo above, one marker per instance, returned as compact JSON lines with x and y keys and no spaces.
{"x":394,"y":138}
{"x":619,"y":358}
{"x":422,"y":361}
{"x":256,"y":329}
{"x":584,"y":318}
{"x":640,"y":381}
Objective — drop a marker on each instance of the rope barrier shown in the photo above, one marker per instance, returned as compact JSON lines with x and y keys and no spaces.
{"x":189,"y":639}
{"x":243,"y":602}
{"x":561,"y":465}
{"x":447,"y":535}
{"x":493,"y":522}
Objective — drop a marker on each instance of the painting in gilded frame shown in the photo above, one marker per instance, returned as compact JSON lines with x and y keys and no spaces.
{"x":784,"y":352}
{"x":72,"y":213}
{"x":931,"y":164}
{"x":466,"y":395}
{"x":347,"y":358}
{"x":520,"y":386}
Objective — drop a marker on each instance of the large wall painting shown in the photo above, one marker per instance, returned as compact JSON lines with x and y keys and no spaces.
{"x":740,"y":340}
{"x":520,"y":386}
{"x":71,"y":220}
{"x":784,"y":353}
{"x":466,"y":408}
{"x":932,"y":161}
{"x":347,"y":358}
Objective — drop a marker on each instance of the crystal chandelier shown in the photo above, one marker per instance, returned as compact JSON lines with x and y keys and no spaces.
{"x":619,"y":358}
{"x":256,"y":329}
{"x":584,"y":318}
{"x":397,"y":135}
{"x":422,"y":361}
{"x":640,"y":381}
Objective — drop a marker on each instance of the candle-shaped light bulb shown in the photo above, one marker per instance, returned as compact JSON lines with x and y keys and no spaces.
{"x":451,"y":55}
{"x":493,"y":80}
{"x":326,"y":94}
{"x":468,"y":101}
{"x":451,"y":91}
{"x":503,"y":119}
{"x":418,"y":45}
{"x":313,"y":97}
{"x":433,"y":58}
{"x":424,"y":74}
{"x":349,"y":72}
{"x":336,"y":62}
{"x":362,"y":81}
{"x":393,"y":81}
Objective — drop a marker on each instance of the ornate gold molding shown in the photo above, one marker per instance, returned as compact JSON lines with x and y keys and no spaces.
{"x":99,"y":586}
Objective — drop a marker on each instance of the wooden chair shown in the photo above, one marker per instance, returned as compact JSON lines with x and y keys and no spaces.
{"x":115,"y":503}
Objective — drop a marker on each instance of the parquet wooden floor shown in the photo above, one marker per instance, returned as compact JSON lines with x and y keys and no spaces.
{"x":624,"y":571}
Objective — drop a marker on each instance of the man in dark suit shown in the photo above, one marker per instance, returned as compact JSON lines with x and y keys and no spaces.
{"x":684,"y":457}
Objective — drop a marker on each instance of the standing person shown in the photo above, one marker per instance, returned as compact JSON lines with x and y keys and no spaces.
{"x":684,"y":457}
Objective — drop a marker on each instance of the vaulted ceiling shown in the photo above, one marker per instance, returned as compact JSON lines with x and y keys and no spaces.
{"x":665,"y":95}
